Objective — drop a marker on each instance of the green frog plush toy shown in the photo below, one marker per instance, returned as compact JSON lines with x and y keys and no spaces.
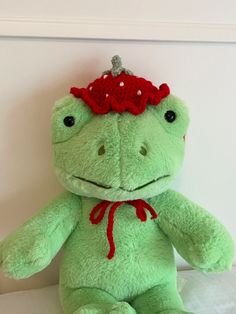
{"x":118,"y":145}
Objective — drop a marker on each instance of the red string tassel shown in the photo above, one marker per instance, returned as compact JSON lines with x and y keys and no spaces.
{"x":98,"y":212}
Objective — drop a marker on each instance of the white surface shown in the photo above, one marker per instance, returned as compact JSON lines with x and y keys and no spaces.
{"x":203,"y":11}
{"x":202,"y":294}
{"x":108,"y":28}
{"x":183,"y":20}
{"x":209,"y":293}
{"x":38,"y":301}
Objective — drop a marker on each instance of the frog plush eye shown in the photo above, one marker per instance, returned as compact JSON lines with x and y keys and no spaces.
{"x":69,"y":121}
{"x":69,"y":116}
{"x":170,"y":116}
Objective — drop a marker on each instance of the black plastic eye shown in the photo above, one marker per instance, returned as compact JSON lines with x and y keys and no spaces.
{"x":170,"y":116}
{"x":69,"y":121}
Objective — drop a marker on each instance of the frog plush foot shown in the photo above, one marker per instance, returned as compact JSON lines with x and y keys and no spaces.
{"x":117,"y":308}
{"x":122,"y":308}
{"x":92,"y":301}
{"x":93,"y":309}
{"x":175,"y":312}
{"x":162,"y":299}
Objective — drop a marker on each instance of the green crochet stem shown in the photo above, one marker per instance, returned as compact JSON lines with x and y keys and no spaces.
{"x":117,"y":67}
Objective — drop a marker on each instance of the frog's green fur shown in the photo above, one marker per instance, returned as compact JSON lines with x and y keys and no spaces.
{"x":122,"y":135}
{"x":141,"y":277}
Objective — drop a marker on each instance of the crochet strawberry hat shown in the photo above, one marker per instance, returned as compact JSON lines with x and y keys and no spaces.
{"x":119,"y":90}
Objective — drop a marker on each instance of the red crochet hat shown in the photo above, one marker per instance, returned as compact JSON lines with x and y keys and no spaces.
{"x":119,"y":90}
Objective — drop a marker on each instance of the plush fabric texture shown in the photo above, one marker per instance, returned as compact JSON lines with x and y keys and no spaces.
{"x":123,"y":137}
{"x":32,"y":247}
{"x":122,"y":159}
{"x":98,"y":212}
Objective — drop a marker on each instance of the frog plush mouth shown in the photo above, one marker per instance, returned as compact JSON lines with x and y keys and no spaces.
{"x":121,"y":188}
{"x":94,"y":183}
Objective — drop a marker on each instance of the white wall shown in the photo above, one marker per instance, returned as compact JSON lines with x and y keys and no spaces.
{"x":208,"y":11}
{"x":34,"y":72}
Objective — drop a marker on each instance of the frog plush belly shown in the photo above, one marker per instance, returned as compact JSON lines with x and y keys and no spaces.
{"x":143,"y":257}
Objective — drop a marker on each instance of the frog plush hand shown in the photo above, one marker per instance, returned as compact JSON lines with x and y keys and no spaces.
{"x":118,"y":145}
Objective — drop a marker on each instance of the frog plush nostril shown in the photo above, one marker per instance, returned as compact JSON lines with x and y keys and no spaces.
{"x":101,"y":150}
{"x":143,"y":151}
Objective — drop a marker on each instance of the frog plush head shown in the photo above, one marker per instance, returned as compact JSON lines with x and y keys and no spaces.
{"x":119,"y":139}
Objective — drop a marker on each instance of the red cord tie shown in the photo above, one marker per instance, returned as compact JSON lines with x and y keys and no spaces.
{"x":98,"y":212}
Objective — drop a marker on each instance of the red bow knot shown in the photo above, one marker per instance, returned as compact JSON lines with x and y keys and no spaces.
{"x":98,"y":212}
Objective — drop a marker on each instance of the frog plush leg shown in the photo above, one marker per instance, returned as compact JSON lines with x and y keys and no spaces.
{"x":163,"y":299}
{"x":32,"y":247}
{"x":197,"y":236}
{"x":92,"y":301}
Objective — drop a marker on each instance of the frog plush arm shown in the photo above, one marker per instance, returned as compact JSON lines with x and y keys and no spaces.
{"x":197,"y":236}
{"x":32,"y":247}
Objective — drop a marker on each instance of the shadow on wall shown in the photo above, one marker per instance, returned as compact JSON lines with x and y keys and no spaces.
{"x":28,"y":178}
